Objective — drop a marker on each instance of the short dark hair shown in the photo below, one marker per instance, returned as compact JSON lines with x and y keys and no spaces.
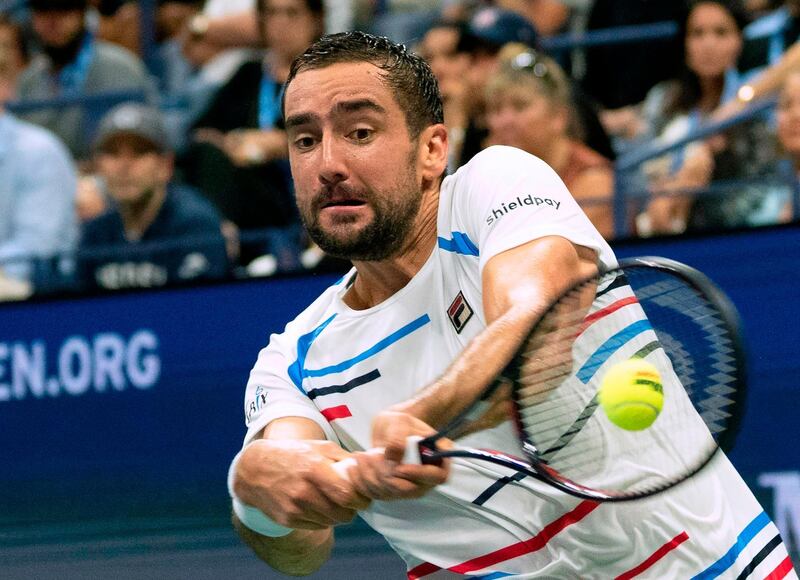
{"x":407,"y":74}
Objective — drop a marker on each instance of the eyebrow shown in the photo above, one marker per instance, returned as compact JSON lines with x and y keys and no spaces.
{"x":346,"y":107}
{"x":357,"y":105}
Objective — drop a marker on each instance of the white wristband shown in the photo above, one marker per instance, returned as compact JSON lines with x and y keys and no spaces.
{"x":251,"y":517}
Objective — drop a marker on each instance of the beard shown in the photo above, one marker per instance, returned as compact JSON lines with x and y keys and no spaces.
{"x":63,"y":55}
{"x":394,"y":214}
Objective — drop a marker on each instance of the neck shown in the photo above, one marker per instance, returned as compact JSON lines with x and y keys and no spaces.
{"x":710,"y":93}
{"x":139,"y":215}
{"x":377,"y":281}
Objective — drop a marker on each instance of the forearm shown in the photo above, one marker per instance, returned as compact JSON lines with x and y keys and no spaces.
{"x":771,"y":79}
{"x":519,"y":285}
{"x":297,"y":554}
{"x":473,"y":370}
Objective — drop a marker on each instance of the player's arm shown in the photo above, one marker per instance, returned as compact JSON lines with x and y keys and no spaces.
{"x":518,"y":285}
{"x":287,"y":474}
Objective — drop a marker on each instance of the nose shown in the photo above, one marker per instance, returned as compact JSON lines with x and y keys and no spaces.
{"x":333,"y":166}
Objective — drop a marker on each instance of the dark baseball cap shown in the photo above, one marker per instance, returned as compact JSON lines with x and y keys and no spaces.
{"x":492,"y":27}
{"x":45,"y":5}
{"x":135,"y":119}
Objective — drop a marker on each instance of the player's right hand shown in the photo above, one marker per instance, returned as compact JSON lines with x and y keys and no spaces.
{"x":293,"y":483}
{"x":382,"y":474}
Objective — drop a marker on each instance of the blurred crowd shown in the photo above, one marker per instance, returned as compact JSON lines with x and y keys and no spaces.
{"x":141,"y":143}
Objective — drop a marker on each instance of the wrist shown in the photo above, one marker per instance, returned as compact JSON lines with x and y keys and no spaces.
{"x":251,"y":517}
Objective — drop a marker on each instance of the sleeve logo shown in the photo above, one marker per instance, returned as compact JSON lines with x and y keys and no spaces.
{"x":529,"y":200}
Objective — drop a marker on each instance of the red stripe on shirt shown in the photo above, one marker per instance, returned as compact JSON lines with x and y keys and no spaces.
{"x":333,"y":413}
{"x":595,"y":316}
{"x":781,"y":571}
{"x":655,"y":556}
{"x":422,"y":570}
{"x":528,"y":546}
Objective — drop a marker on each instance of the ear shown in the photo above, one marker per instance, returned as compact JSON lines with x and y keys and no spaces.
{"x":433,"y":147}
{"x":167,"y":167}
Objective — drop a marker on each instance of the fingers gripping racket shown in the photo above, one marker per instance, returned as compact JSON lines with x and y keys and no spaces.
{"x":654,"y":309}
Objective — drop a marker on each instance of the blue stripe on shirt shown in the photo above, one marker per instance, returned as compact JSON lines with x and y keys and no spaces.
{"x":379,"y":346}
{"x":759,"y":523}
{"x":296,"y":370}
{"x":609,"y":347}
{"x":460,"y":244}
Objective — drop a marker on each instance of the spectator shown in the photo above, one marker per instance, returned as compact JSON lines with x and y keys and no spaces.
{"x":529,"y":107}
{"x":239,"y":159}
{"x":439,"y":47}
{"x":171,"y":20}
{"x":712,"y":39}
{"x":117,"y":248}
{"x":74,"y":62}
{"x":487,"y":32}
{"x":37,"y":186}
{"x":119,"y":23}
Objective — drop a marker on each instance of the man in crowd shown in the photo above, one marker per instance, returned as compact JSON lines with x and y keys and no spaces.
{"x":136,"y":167}
{"x":37,"y":185}
{"x":74,"y":63}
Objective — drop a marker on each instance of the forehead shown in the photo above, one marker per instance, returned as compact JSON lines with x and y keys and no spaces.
{"x":711,"y":13}
{"x":442,"y":38}
{"x":319,"y":91}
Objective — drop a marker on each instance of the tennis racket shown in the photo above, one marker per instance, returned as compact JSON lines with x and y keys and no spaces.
{"x":655,"y":309}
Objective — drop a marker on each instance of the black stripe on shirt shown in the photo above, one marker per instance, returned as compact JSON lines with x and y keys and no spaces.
{"x":760,"y":557}
{"x":348,"y":386}
{"x":497,"y":486}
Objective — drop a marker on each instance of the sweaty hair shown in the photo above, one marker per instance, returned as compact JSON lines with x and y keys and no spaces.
{"x":406,"y":74}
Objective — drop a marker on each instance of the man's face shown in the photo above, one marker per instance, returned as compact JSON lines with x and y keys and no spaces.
{"x":439,"y":48}
{"x":132,"y":169}
{"x":355,"y":166}
{"x":57,"y":28}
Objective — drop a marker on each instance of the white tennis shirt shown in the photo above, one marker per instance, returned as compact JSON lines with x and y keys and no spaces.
{"x":339,"y":367}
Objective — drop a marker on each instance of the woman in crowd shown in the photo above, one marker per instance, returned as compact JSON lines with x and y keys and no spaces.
{"x":712,"y":43}
{"x":240,"y":154}
{"x":529,"y":107}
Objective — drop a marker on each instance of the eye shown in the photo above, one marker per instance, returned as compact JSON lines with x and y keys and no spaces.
{"x":304,"y":142}
{"x":361,"y":134}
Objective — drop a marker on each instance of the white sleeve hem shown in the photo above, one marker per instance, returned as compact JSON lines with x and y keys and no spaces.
{"x":287,"y":410}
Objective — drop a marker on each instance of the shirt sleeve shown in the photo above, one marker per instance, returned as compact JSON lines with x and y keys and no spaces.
{"x":506,"y":197}
{"x":271,"y":394}
{"x":44,"y":219}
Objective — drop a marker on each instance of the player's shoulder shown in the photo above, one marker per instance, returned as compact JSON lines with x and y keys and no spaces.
{"x":494,"y":167}
{"x":499,"y":160}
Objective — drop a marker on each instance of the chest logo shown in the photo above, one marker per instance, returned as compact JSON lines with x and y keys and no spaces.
{"x":459,"y":312}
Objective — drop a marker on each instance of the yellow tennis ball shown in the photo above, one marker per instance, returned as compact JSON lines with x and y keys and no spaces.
{"x":631,"y":394}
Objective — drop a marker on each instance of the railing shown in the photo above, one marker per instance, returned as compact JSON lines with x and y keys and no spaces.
{"x":635,"y":159}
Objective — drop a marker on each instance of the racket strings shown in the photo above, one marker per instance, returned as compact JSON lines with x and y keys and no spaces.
{"x":558,"y":410}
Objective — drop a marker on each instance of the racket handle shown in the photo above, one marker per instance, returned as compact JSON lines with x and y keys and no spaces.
{"x":412,"y":456}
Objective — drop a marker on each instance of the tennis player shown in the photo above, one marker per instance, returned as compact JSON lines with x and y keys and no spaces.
{"x":448,"y":276}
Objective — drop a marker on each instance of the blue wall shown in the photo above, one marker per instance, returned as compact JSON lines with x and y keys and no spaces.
{"x":130,"y":405}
